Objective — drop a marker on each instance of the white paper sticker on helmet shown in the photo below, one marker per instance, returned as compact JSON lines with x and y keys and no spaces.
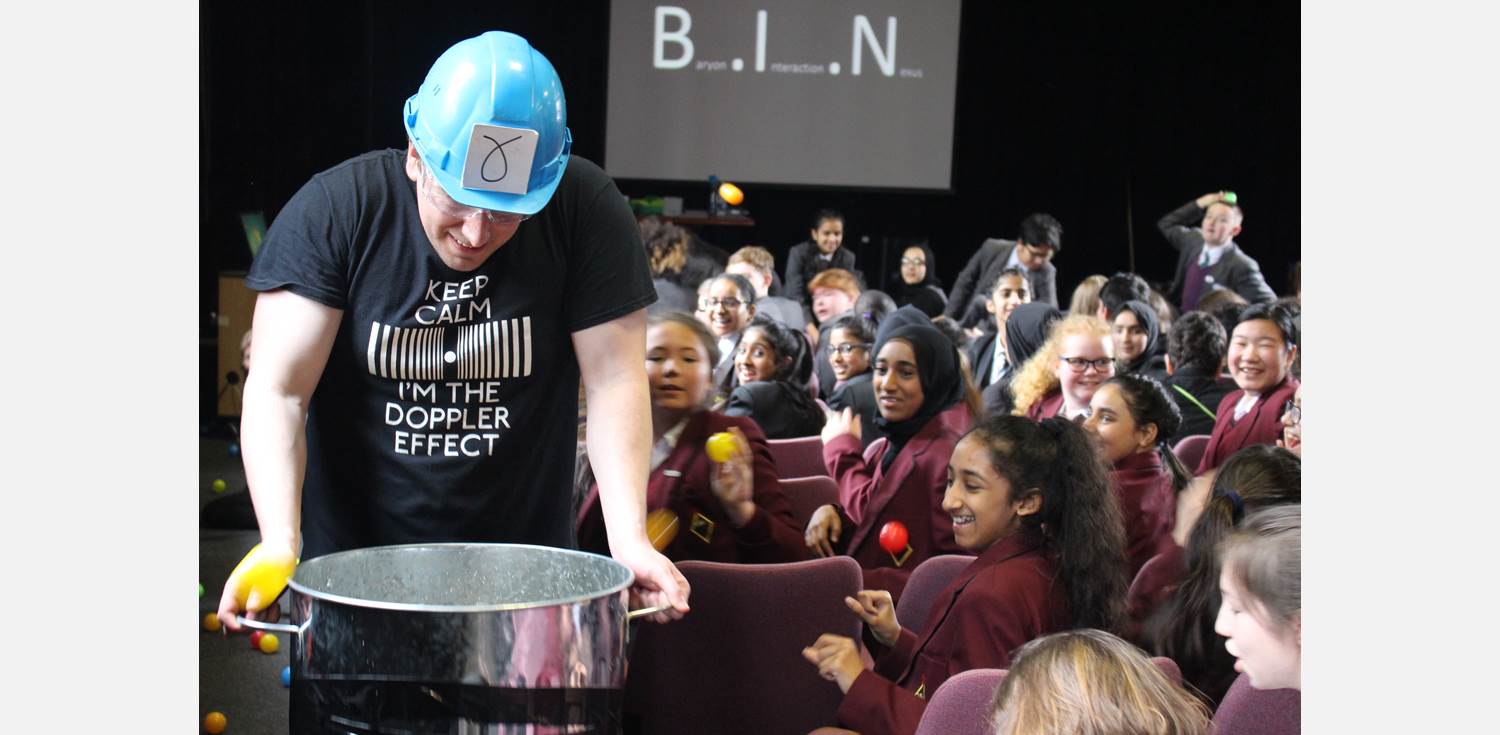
{"x":499,"y":159}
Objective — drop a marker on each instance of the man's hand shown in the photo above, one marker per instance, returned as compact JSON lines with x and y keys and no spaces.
{"x":837,"y":659}
{"x":657,"y":581}
{"x":879,"y":612}
{"x":236,"y":586}
{"x":823,"y":530}
{"x":839,"y":423}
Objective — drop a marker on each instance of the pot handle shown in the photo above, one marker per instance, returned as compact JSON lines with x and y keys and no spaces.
{"x":262,"y":625}
{"x":633,"y":614}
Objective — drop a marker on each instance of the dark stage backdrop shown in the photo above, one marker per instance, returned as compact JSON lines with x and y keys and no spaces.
{"x":1106,"y":117}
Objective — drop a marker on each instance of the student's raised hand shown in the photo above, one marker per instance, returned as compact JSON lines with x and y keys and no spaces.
{"x":733,"y":482}
{"x":839,"y":423}
{"x":837,"y":659}
{"x":823,"y":530}
{"x":1209,"y":198}
{"x":879,"y":612}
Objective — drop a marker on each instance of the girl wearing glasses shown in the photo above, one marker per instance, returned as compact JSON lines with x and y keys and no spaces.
{"x":850,"y":342}
{"x":772,"y":364}
{"x":1060,"y":379}
{"x":733,"y":511}
{"x":916,"y":282}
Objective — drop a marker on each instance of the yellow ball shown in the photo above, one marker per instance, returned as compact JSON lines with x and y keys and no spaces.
{"x":263,"y":575}
{"x":215,"y":723}
{"x":720,"y":446}
{"x":210,"y":622}
{"x":269,"y":643}
{"x":731,"y":194}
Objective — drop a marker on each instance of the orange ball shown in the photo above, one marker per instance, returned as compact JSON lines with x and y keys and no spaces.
{"x":661,"y":527}
{"x":215,"y":722}
{"x":269,"y":643}
{"x":211,"y":622}
{"x":731,"y":194}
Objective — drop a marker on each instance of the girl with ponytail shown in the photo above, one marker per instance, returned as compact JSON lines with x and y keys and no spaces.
{"x":1033,"y":501}
{"x":1253,"y":478}
{"x":1132,"y":417}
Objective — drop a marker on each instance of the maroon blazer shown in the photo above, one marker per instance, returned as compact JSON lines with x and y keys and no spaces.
{"x":1006,"y":597}
{"x":910,"y":491}
{"x":1149,"y":592}
{"x":1262,"y":425}
{"x":1050,"y":405}
{"x":704,"y":532}
{"x":1148,"y":504}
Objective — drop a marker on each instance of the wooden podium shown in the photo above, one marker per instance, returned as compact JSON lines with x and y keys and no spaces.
{"x":236,"y":306}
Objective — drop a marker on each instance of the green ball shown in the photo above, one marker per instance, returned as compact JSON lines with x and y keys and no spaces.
{"x":200,"y":589}
{"x":220,"y":486}
{"x":1230,"y":198}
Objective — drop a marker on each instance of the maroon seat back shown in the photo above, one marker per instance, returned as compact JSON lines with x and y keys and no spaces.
{"x":1189,"y":449}
{"x":798,"y":457}
{"x":961,"y":706}
{"x":1246,"y":710}
{"x":807,"y":493}
{"x":734,"y":663}
{"x":927,"y":581}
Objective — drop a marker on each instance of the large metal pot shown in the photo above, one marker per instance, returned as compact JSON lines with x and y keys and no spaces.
{"x":458,"y":638}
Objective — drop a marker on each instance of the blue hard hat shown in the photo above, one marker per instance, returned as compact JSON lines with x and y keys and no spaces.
{"x":487,"y":103}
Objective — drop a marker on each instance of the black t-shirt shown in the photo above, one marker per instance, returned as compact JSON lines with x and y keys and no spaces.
{"x":448,"y":407}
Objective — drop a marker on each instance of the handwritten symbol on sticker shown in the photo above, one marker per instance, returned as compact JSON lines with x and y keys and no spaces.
{"x":499,"y":148}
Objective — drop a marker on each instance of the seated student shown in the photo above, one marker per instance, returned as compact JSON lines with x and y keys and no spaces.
{"x":1207,"y":257}
{"x":1261,"y":583}
{"x":833,"y":292}
{"x":1118,"y":289}
{"x":727,"y":310}
{"x":956,"y":335}
{"x":823,"y":249}
{"x":758,"y":267}
{"x":1026,"y":330}
{"x":1225,"y":305}
{"x":729,"y":512}
{"x":873,"y":306}
{"x":1051,"y":558}
{"x":667,"y":254}
{"x":987,"y":354}
{"x":1032,"y":250}
{"x":1086,"y":295}
{"x":919,"y":394}
{"x":1135,"y":334}
{"x":916,"y":282}
{"x":1131,"y":417}
{"x":1180,"y":602}
{"x":772,"y":367}
{"x":851,"y":340}
{"x":1060,"y":379}
{"x":1088,"y":681}
{"x":1291,"y":424}
{"x":1195,"y":361}
{"x":1261,"y":351}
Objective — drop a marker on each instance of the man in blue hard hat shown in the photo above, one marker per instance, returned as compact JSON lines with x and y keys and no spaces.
{"x":423,"y":323}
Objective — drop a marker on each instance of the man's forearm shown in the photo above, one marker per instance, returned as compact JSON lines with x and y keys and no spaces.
{"x":619,"y":447}
{"x":273,"y":442}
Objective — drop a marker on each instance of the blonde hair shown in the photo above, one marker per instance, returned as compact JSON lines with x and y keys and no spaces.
{"x":757,"y":257}
{"x":1088,"y":682}
{"x":1038,"y":376}
{"x":1086,"y":296}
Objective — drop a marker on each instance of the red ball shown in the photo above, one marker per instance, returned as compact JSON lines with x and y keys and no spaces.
{"x":255,"y":639}
{"x":893,"y":537}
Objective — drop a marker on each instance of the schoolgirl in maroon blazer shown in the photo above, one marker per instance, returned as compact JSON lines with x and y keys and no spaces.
{"x":1060,"y":379}
{"x":919,"y":393}
{"x":729,"y":512}
{"x":1033,"y":500}
{"x":1262,"y":349}
{"x":1132,"y":418}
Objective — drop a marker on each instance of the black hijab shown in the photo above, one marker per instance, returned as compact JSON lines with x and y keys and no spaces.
{"x":1146,"y":316}
{"x":1026,"y":331}
{"x":937,"y":370}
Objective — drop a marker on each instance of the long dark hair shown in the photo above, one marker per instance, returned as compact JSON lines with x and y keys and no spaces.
{"x":1149,"y":403}
{"x":790,"y":346}
{"x":1255,"y":477}
{"x":1080,"y":516}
